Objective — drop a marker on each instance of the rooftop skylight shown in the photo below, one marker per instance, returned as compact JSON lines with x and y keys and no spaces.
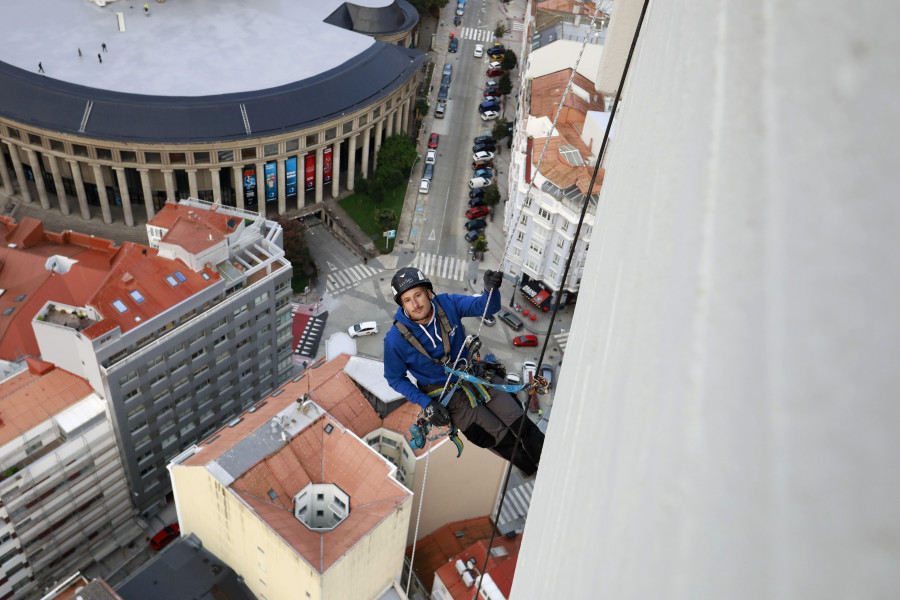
{"x":571,"y":155}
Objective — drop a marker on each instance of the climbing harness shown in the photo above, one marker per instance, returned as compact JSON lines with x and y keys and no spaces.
{"x":419,"y":431}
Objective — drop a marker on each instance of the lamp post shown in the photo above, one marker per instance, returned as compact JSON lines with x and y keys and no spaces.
{"x":418,"y":157}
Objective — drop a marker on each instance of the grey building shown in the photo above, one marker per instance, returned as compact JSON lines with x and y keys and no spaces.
{"x":181,"y":338}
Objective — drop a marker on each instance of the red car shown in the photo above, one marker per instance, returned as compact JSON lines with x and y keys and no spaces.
{"x":476,"y":212}
{"x":494,"y":72}
{"x":491,"y":93}
{"x":165,"y":536}
{"x":525,"y":340}
{"x":433,"y":141}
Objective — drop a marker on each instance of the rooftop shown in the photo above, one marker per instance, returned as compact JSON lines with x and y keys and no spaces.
{"x":435,"y":549}
{"x":185,"y":89}
{"x":500,"y":566}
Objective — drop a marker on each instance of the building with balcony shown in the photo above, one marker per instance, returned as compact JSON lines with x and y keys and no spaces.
{"x":270,"y":107}
{"x":178,"y":339}
{"x":64,"y":498}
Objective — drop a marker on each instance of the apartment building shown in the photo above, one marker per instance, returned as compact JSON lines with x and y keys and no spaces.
{"x":550,"y":172}
{"x":64,"y":498}
{"x":179,"y":338}
{"x":296,"y":504}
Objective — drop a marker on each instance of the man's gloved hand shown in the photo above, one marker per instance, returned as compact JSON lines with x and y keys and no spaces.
{"x":437,"y":414}
{"x":492,"y":280}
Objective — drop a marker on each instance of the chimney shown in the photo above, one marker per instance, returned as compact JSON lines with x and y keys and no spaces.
{"x":529,"y":147}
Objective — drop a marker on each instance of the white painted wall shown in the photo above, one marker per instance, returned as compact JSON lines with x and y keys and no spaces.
{"x":726,"y":422}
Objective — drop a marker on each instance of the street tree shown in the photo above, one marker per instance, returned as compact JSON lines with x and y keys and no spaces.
{"x":421,"y":108}
{"x":499,"y":30}
{"x":296,"y":250}
{"x":492,"y":195}
{"x":510,"y":60}
{"x":505,"y":84}
{"x":386,"y":218}
{"x":480,"y":245}
{"x":500,"y":130}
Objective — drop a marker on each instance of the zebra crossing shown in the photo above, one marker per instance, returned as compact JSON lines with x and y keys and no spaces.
{"x":348,"y":278}
{"x":479,"y":35}
{"x":518,"y":26}
{"x":515,"y":507}
{"x":561,"y":340}
{"x":445,"y":267}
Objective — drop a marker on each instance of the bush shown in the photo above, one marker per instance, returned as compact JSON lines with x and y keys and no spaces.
{"x":510,"y":60}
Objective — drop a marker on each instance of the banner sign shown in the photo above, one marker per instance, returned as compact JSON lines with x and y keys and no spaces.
{"x":310,"y":164}
{"x":271,"y":183}
{"x":326,"y":166}
{"x":249,"y":186}
{"x":290,"y":177}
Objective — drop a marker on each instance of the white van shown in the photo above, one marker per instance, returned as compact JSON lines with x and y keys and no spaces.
{"x":478,"y":182}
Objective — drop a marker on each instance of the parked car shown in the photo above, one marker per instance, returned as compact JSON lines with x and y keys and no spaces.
{"x":486,"y":173}
{"x":477,"y":201}
{"x":494,"y":72}
{"x":477,"y":193}
{"x":440,"y":108}
{"x":494,"y":63}
{"x":479,"y":50}
{"x":496,"y":50}
{"x":431,"y":157}
{"x":485,"y":146}
{"x":448,"y":69}
{"x":476,"y":212}
{"x":433,"y":141}
{"x":364,"y":328}
{"x":478,"y":182}
{"x":488,"y":105}
{"x":473,"y":224}
{"x":525,"y":340}
{"x":483,"y":156}
{"x":513,"y":379}
{"x":490,"y":84}
{"x":512,"y":320}
{"x":529,"y":370}
{"x":460,"y":11}
{"x":547,"y":373}
{"x":473,"y":235}
{"x":489,"y":320}
{"x":484,"y":139}
{"x":165,"y":536}
{"x":443,"y":93}
{"x":445,"y":81}
{"x":489,"y":115}
{"x":482,"y":164}
{"x":491,"y":93}
{"x":454,"y":44}
{"x":424,"y":186}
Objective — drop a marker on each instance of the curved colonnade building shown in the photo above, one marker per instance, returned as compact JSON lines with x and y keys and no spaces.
{"x":275,"y":103}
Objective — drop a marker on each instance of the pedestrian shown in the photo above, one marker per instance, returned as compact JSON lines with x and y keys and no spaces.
{"x":146,"y":10}
{"x":103,"y":45}
{"x":487,"y":416}
{"x":100,"y":58}
{"x":40,"y":67}
{"x":79,"y":53}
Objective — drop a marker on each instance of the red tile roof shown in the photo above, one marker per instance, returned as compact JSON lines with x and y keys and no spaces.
{"x":435,"y":549}
{"x":36,"y":394}
{"x":193,"y":234}
{"x":510,"y":549}
{"x":172,"y":212}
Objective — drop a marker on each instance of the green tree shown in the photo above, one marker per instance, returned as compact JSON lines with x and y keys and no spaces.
{"x":376,"y":190}
{"x":505,"y":84}
{"x":295,"y":248}
{"x":397,"y":152}
{"x":480,"y":245}
{"x":500,"y":130}
{"x":386,"y":218}
{"x":510,"y":60}
{"x":361,"y":185}
{"x":432,"y":7}
{"x":421,"y":108}
{"x":491,"y":195}
{"x":499,"y":30}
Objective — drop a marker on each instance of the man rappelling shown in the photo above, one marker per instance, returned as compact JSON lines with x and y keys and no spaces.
{"x":428,"y":341}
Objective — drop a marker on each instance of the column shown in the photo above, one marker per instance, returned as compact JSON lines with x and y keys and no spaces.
{"x":403,"y":118}
{"x":148,"y":193}
{"x":169,"y":176}
{"x":261,"y":187}
{"x":58,"y":182}
{"x":365,"y":157}
{"x":378,"y":130}
{"x":390,"y":123}
{"x":75,"y":166}
{"x":101,"y":191}
{"x":351,"y":162}
{"x":124,"y":195}
{"x":336,"y":168}
{"x":4,"y":176}
{"x":282,"y":199}
{"x":192,"y":182}
{"x":35,"y":161}
{"x":238,"y":186}
{"x":320,"y":159}
{"x":20,"y":173}
{"x":217,"y":184}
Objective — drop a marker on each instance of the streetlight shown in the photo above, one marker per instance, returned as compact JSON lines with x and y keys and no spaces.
{"x":418,"y":157}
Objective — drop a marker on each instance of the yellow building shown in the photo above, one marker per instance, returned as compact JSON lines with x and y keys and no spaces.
{"x":295,"y":503}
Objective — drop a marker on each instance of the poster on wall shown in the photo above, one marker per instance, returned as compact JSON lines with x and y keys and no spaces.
{"x":326,"y":166}
{"x":290,"y":177}
{"x":271,"y":183}
{"x":249,"y":186}
{"x":310,"y":165}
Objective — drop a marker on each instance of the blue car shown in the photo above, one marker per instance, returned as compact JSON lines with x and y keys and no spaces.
{"x":486,"y":173}
{"x":489,"y":105}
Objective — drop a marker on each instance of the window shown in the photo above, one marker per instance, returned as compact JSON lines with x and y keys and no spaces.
{"x":270,"y":149}
{"x":330,"y":134}
{"x":261,"y":298}
{"x":171,"y":280}
{"x":119,"y":305}
{"x":524,"y":220}
{"x":104,"y":154}
{"x":312,"y":140}
{"x":531,"y":265}
{"x":537,"y":248}
{"x":12,"y":132}
{"x":78,"y":149}
{"x":136,"y":296}
{"x":376,"y":113}
{"x":560,"y":243}
{"x":127,"y":156}
{"x":177,"y":158}
{"x":8,"y":311}
{"x":544,"y":213}
{"x":201,"y":158}
{"x":226,"y":155}
{"x":527,"y":200}
{"x":180,"y":277}
{"x":347,"y":127}
{"x":291,"y":145}
{"x":565,"y":225}
{"x":556,"y":258}
{"x":248,"y":153}
{"x":57,"y":145}
{"x":517,"y":251}
{"x":539,"y":232}
{"x":153,"y":158}
{"x":520,"y":236}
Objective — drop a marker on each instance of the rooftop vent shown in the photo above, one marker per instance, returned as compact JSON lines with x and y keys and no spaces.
{"x":321,"y":506}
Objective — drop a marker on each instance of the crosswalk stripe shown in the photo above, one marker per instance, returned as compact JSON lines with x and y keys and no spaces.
{"x":348,"y":278}
{"x":561,"y":339}
{"x":518,"y":26}
{"x":445,"y":267}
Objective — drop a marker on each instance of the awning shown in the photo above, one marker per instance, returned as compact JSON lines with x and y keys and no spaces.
{"x":536,"y":293}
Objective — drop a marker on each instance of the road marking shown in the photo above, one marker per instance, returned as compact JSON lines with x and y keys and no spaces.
{"x":331,"y":266}
{"x":445,"y":267}
{"x":348,"y":278}
{"x":431,"y":237}
{"x":561,"y":340}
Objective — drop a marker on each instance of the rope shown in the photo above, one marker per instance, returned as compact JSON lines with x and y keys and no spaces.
{"x":418,"y":516}
{"x":584,"y":206}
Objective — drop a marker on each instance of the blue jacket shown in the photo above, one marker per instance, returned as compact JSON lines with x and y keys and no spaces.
{"x":401,"y":358}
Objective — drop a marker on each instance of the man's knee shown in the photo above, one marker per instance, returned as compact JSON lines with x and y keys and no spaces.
{"x":478,"y":436}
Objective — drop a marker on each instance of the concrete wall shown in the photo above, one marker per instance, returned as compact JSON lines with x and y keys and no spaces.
{"x":730,"y":429}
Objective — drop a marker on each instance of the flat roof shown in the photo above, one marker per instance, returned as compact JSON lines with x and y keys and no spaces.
{"x":182,"y":73}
